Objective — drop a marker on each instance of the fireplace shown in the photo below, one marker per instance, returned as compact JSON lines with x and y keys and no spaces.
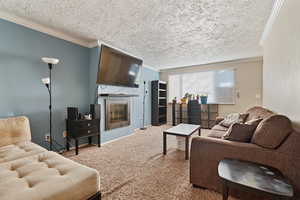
{"x":117,"y":113}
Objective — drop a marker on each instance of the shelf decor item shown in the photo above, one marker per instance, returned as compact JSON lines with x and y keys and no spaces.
{"x":48,"y":83}
{"x":203,"y":98}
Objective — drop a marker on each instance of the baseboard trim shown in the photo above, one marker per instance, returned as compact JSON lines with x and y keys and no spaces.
{"x":108,"y":142}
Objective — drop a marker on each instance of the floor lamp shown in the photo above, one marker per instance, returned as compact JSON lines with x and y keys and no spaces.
{"x":144,"y":96}
{"x":48,"y":83}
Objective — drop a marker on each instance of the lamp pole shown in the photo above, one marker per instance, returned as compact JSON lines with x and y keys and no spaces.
{"x":48,"y":84}
{"x":144,"y":128}
{"x":50,"y":103}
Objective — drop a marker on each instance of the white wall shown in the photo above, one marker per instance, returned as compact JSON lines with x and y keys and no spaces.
{"x":281,"y":73}
{"x":248,"y":82}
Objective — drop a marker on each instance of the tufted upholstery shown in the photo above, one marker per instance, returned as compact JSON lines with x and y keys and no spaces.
{"x":14,"y":130}
{"x":19,"y":150}
{"x":28,"y":171}
{"x":47,"y":176}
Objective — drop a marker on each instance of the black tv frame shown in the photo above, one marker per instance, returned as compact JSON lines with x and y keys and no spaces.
{"x":116,"y":84}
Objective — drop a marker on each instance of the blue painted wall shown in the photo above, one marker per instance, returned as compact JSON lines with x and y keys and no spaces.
{"x":21,"y":70}
{"x":136,"y":102}
{"x":74,"y":82}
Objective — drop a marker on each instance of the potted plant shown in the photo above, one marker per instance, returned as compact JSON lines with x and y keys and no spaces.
{"x":174,"y":100}
{"x":185,"y":98}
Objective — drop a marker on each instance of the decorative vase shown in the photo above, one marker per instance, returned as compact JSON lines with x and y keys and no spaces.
{"x":203,"y":99}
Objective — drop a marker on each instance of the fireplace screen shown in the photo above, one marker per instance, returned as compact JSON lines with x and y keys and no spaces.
{"x":117,"y":113}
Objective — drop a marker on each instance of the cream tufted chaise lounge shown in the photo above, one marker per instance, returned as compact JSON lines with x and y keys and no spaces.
{"x":28,"y":171}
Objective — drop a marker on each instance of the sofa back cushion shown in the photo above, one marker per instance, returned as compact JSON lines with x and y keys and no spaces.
{"x":258,"y":112}
{"x":13,"y":130}
{"x":272,"y":131}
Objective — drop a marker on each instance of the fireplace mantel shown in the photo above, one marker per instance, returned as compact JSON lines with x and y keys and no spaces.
{"x":117,"y":95}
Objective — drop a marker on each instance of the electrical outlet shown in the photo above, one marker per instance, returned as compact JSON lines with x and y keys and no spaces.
{"x":47,"y":137}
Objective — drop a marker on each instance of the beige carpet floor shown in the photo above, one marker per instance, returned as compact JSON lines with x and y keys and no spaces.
{"x":134,"y":168}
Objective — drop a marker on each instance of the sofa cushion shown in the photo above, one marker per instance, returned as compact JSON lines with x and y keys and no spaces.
{"x":233,"y":118}
{"x":19,"y":150}
{"x":14,"y":130}
{"x":47,"y":176}
{"x":258,"y":112}
{"x":240,"y":132}
{"x":219,"y":128}
{"x":272,"y":131}
{"x":216,"y":134}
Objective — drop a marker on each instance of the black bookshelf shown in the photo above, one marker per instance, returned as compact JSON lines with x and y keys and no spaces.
{"x":159,"y":103}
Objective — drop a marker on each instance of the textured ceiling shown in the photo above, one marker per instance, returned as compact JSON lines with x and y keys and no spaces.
{"x":165,"y":33}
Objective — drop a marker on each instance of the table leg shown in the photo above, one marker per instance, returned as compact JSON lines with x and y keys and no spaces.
{"x":187,"y":145}
{"x":225,"y":191}
{"x":76,"y":146}
{"x":165,"y":143}
{"x":199,"y":131}
{"x":90,"y":140}
{"x":99,"y":140}
{"x":67,"y":144}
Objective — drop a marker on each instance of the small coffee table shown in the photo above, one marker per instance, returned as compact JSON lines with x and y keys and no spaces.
{"x":255,"y":178}
{"x":182,"y":130}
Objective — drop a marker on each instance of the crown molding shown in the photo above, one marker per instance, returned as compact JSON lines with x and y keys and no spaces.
{"x":250,"y":58}
{"x":44,"y":29}
{"x":274,"y":14}
{"x":152,"y":68}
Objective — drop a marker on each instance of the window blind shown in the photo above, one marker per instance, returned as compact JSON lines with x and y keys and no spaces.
{"x":219,"y":85}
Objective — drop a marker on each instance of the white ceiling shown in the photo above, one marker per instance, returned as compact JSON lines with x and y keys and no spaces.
{"x":164,"y":33}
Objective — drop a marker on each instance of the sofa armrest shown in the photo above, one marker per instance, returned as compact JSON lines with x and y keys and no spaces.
{"x":206,"y":153}
{"x":14,"y":130}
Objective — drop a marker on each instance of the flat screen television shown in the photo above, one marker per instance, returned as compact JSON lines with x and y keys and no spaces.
{"x":118,"y":68}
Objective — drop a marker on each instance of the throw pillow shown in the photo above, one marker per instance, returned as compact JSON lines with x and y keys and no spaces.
{"x":272,"y":131}
{"x":233,"y":118}
{"x":244,"y":116}
{"x":240,"y":132}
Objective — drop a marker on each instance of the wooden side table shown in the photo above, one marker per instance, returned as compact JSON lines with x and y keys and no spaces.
{"x":255,"y":178}
{"x":82,"y":129}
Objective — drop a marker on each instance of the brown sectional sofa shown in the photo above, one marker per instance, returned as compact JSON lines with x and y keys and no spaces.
{"x":28,"y":171}
{"x":206,"y":152}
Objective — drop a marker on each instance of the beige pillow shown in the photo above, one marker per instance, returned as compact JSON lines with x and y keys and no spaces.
{"x":233,"y":118}
{"x":272,"y":131}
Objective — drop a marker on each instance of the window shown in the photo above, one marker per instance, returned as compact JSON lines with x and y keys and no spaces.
{"x":219,"y":85}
